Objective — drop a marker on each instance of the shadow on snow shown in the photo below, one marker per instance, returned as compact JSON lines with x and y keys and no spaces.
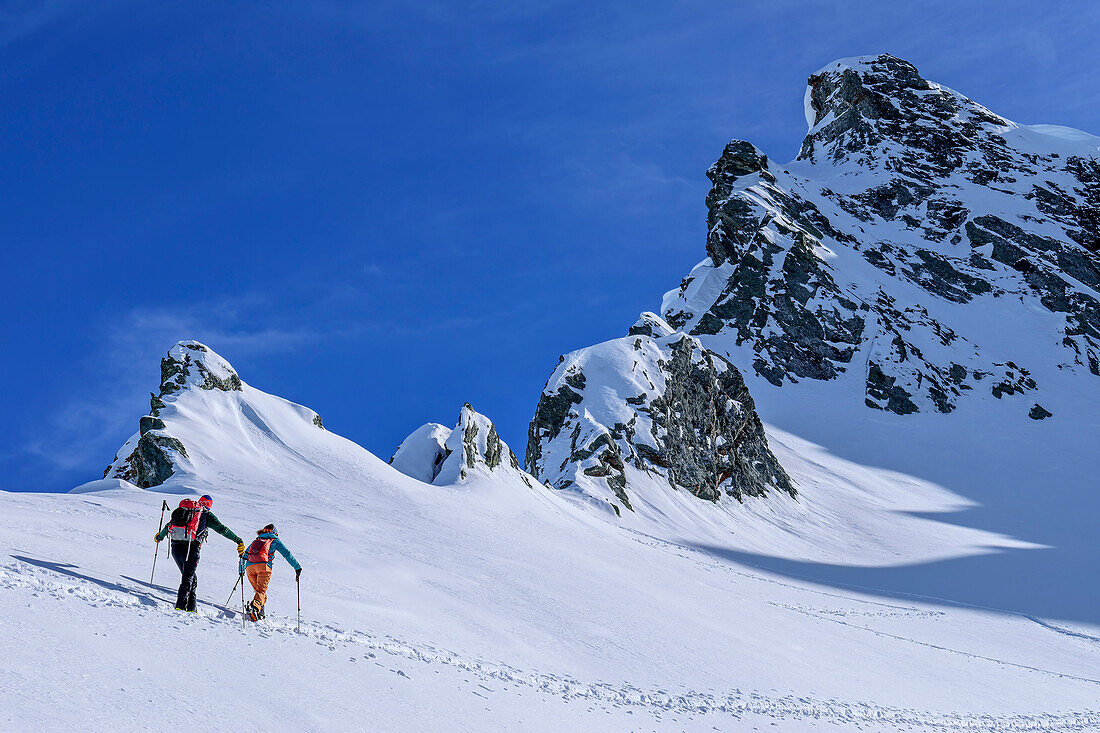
{"x":1035,"y":481}
{"x":142,"y":595}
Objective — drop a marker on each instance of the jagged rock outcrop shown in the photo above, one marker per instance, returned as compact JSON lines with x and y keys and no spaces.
{"x":439,"y":455}
{"x":152,"y":455}
{"x":191,"y":363}
{"x":892,"y":244}
{"x":651,"y":409}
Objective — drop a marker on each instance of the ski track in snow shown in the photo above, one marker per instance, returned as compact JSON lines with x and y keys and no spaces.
{"x":128,"y":595}
{"x":1065,"y":632}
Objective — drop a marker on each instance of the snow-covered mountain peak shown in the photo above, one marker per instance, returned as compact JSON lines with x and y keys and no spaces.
{"x":474,"y":448}
{"x":936,"y":247}
{"x":205,"y":414}
{"x":881,"y":113}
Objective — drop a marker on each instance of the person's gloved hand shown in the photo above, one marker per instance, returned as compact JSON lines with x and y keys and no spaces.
{"x":297,"y":574}
{"x":240,"y":549}
{"x":156,"y":538}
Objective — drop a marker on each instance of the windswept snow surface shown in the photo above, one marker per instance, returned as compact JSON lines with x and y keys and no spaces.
{"x":493,"y":605}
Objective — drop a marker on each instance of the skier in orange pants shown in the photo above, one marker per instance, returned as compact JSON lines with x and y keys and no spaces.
{"x":256,"y":563}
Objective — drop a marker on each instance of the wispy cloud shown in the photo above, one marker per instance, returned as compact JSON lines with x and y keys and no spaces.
{"x":635,"y":186}
{"x":19,"y":20}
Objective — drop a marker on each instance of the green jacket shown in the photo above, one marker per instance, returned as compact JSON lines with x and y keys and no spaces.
{"x":208,"y":521}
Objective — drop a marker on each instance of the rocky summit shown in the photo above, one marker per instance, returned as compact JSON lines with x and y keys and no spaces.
{"x":652,"y":407}
{"x":157,"y":450}
{"x":905,"y":247}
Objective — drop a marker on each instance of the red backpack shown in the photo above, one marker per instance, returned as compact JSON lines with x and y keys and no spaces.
{"x":260,"y":550}
{"x":184,"y":522}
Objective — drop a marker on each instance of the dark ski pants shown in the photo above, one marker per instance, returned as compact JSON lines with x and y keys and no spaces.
{"x":186,"y":555}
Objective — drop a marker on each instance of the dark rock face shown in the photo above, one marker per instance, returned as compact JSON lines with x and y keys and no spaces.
{"x":938,"y":193}
{"x":150,"y":422}
{"x":152,"y":462}
{"x":681,"y":415}
{"x":882,"y":394}
{"x":707,"y":430}
{"x":550,"y":417}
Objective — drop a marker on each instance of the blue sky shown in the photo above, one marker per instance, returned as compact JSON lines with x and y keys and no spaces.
{"x":385,"y":210}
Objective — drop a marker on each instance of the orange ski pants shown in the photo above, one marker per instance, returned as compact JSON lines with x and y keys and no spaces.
{"x":259,"y":576}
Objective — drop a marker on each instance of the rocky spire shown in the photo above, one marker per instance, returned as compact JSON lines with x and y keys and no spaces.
{"x":439,"y":455}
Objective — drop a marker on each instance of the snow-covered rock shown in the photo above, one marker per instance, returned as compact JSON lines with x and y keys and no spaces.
{"x":655,"y":404}
{"x":202,"y":409}
{"x":422,"y":453}
{"x":189,"y":363}
{"x":475,"y":448}
{"x":895,"y":243}
{"x":442,"y":456}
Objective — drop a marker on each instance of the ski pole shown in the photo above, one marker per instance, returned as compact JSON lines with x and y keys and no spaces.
{"x":156,"y":550}
{"x":227,"y":600}
{"x":243,"y":619}
{"x":298,"y":582}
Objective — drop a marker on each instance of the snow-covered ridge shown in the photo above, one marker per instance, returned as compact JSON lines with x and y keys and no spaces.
{"x":206,"y":420}
{"x":921,"y":247}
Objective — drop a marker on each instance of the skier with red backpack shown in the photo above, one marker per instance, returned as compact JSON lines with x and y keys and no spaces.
{"x":256,"y":563}
{"x":189,"y":527}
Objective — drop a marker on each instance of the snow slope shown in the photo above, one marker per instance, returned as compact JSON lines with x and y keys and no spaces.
{"x":493,"y":604}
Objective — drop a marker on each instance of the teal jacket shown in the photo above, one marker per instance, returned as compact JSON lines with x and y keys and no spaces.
{"x":276,"y":546}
